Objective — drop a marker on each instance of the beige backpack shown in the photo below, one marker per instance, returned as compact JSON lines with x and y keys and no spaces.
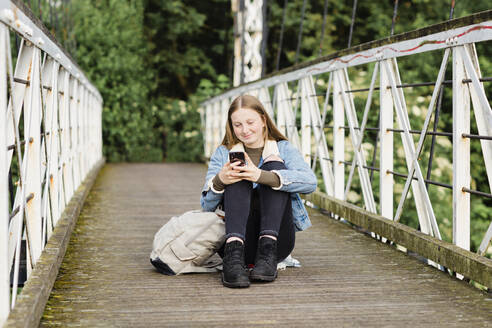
{"x":187,"y":243}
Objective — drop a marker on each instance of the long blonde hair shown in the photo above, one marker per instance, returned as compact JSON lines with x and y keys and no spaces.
{"x":249,"y":102}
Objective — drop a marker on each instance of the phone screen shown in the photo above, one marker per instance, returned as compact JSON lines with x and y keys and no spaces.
{"x":235,"y":156}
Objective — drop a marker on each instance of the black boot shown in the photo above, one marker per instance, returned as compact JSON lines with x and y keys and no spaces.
{"x":234,"y":272}
{"x":266,"y":260}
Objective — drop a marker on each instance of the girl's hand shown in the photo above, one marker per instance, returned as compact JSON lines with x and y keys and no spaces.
{"x":247,"y":172}
{"x":228,"y":175}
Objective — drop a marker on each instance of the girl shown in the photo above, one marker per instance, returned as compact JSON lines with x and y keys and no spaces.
{"x":260,"y":197}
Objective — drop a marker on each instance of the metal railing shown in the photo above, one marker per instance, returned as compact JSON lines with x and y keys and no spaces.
{"x":50,"y":138}
{"x":314,"y":104}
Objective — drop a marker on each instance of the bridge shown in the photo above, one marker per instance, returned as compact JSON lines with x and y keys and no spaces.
{"x":83,"y":228}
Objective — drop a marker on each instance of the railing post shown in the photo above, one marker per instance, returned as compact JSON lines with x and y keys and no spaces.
{"x":216,"y":121}
{"x":50,"y":192}
{"x":286,"y":119}
{"x":281,"y":98}
{"x":4,"y":185}
{"x":65,"y":137}
{"x":319,"y":134}
{"x":32,"y":134}
{"x":91,"y":113}
{"x":80,"y":130}
{"x":483,"y":117}
{"x":338,"y":137}
{"x":74,"y":128}
{"x":386,"y":150}
{"x":305,"y":94}
{"x":223,"y":116}
{"x":461,"y":152}
{"x":264,"y":97}
{"x":83,"y":131}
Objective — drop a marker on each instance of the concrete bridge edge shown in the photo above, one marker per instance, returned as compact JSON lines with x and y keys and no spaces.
{"x":31,"y":302}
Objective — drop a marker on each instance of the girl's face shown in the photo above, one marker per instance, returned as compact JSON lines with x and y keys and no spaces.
{"x":248,"y":127}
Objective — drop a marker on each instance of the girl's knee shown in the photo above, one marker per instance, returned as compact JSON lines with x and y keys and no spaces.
{"x":242,"y":185}
{"x":273,"y":165}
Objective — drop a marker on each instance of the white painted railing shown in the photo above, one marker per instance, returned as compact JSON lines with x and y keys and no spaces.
{"x":50,"y":138}
{"x":319,"y":129}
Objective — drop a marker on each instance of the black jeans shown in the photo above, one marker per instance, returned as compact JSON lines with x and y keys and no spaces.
{"x":251,"y":213}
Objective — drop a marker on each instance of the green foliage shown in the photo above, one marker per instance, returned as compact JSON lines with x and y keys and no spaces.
{"x":146,"y":57}
{"x":112,"y":51}
{"x":188,"y":40}
{"x":372,"y":22}
{"x":207,"y":88}
{"x":179,"y":127}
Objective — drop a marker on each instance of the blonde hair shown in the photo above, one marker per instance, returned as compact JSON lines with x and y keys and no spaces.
{"x":249,"y":102}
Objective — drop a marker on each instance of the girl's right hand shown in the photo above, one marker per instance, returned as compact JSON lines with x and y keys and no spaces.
{"x":228,"y":175}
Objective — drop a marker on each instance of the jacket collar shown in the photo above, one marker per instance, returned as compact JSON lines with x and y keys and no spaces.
{"x":269,"y":149}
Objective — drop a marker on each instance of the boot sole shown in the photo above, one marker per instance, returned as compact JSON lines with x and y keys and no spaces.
{"x":263,"y":278}
{"x":241,"y":284}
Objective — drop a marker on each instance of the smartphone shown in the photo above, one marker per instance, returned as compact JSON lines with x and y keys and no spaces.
{"x":237,"y":156}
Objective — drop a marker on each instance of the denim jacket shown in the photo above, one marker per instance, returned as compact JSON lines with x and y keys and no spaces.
{"x":297,"y":178}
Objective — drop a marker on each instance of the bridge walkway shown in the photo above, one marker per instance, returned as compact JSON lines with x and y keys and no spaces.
{"x":346,"y":278}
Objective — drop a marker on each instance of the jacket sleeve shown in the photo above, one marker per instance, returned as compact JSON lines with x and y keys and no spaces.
{"x":298,"y":177}
{"x":211,"y":198}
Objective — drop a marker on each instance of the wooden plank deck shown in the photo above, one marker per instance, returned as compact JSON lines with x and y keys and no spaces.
{"x":346,"y":278}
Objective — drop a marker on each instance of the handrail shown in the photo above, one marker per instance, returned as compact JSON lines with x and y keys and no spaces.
{"x":47,"y":158}
{"x":319,"y":65}
{"x":16,"y":15}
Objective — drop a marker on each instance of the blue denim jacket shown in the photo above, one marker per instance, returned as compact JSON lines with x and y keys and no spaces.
{"x":298,"y":178}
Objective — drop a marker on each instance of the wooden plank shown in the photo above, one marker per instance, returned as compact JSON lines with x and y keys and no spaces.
{"x":346,"y":278}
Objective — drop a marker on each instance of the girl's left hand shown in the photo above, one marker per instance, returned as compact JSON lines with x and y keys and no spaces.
{"x":247,"y":172}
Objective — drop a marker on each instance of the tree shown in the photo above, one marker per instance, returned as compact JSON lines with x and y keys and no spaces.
{"x":112,"y":50}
